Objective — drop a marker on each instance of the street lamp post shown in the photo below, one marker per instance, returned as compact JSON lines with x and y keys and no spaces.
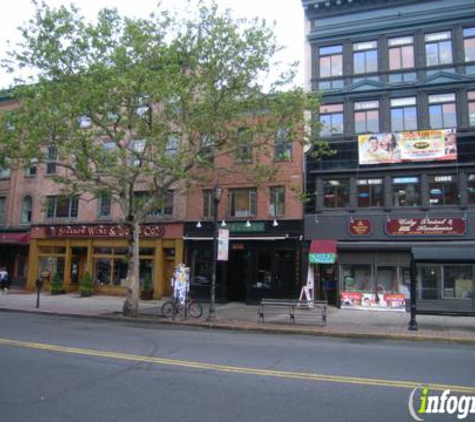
{"x":217,"y":192}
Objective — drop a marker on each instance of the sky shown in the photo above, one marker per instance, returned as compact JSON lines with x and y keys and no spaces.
{"x":287,"y":14}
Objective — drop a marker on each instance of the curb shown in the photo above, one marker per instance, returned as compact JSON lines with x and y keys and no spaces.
{"x":254,"y":328}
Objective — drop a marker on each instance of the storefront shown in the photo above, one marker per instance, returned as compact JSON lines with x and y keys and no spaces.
{"x":100,"y":250}
{"x":372,"y":269}
{"x":14,"y":255}
{"x":264,"y":261}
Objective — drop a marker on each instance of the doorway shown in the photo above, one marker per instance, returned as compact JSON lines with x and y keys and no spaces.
{"x":238,"y":276}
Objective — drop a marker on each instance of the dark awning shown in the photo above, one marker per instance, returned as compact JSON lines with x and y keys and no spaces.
{"x":443,"y":254}
{"x":14,"y":238}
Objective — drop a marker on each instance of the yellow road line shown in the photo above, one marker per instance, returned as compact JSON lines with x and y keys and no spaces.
{"x":237,"y":369}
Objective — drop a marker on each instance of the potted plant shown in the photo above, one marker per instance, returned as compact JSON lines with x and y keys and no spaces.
{"x":56,"y":285}
{"x":86,"y":286}
{"x":146,"y":292}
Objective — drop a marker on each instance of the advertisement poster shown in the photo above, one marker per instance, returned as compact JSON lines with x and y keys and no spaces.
{"x":373,"y":302}
{"x":403,"y":147}
{"x":223,"y":245}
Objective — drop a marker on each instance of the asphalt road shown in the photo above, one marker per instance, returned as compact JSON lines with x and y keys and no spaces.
{"x":69,"y":369}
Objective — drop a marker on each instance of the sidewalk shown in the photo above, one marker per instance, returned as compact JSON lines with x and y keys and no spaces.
{"x":341,"y":322}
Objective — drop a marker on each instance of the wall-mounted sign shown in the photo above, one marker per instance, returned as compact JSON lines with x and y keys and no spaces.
{"x":104,"y":230}
{"x":360,"y":227}
{"x":322,"y":252}
{"x":402,"y":147}
{"x":433,"y":226}
{"x":241,"y":227}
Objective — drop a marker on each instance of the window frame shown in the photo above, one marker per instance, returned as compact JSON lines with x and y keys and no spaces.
{"x":363,"y":49}
{"x":53,"y":203}
{"x":101,"y":206}
{"x":276,"y":201}
{"x":3,"y":207}
{"x":335,"y":188}
{"x":28,"y":211}
{"x":469,"y":37}
{"x":405,"y":105}
{"x":283,"y":148}
{"x":364,"y":108}
{"x":441,"y":182}
{"x":441,"y":102}
{"x":406,"y":181}
{"x":331,"y":110}
{"x":332,"y":55}
{"x":51,"y":160}
{"x":251,"y":210}
{"x":437,"y":39}
{"x":399,"y":44}
{"x":371,"y":184}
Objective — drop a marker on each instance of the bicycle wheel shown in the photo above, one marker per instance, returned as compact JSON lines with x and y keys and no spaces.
{"x":194,"y":309}
{"x":169,"y":310}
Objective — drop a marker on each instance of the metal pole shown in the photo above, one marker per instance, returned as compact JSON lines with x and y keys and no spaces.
{"x":413,"y":322}
{"x":212,"y":307}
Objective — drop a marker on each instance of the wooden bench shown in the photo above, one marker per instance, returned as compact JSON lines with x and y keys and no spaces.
{"x":300,"y":310}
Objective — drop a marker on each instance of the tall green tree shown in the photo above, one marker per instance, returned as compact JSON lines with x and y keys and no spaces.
{"x":145,"y":104}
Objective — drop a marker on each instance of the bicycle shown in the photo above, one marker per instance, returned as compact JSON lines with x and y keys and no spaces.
{"x":172,"y":308}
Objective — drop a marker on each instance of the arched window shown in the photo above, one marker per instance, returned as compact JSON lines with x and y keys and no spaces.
{"x":26,"y":208}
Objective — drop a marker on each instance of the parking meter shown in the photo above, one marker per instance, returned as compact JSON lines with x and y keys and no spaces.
{"x":39,"y":286}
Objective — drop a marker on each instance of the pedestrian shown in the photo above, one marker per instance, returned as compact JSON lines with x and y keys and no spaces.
{"x":4,"y":280}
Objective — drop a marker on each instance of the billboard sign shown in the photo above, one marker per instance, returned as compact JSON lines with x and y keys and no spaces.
{"x":403,"y":147}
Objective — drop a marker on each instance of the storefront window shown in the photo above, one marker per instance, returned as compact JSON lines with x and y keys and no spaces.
{"x":388,"y":280}
{"x":146,"y":271}
{"x":443,"y":190}
{"x":458,"y":282}
{"x":356,"y":278}
{"x":53,"y":265}
{"x":471,"y":189}
{"x":406,"y":191}
{"x":370,"y":193}
{"x":430,"y":277}
{"x":336,"y":193}
{"x":103,"y":271}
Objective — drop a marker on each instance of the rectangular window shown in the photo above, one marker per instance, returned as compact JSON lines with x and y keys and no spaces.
{"x":277,"y":201}
{"x":244,"y":145}
{"x":438,"y":48}
{"x":471,"y":107}
{"x":282,"y":145}
{"x":403,"y":114}
{"x":207,"y":203}
{"x":32,"y":169}
{"x":138,"y":148}
{"x":469,"y":44}
{"x":207,"y":145}
{"x":60,"y":206}
{"x":370,"y":193}
{"x":471,"y":189}
{"x":457,"y":282}
{"x":357,"y":278}
{"x":365,"y":57}
{"x":401,"y":53}
{"x":172,"y":146}
{"x":331,"y":119}
{"x":336,"y":193}
{"x":367,"y":117}
{"x":105,"y":203}
{"x":242,"y":203}
{"x":3,"y":202}
{"x":330,"y":61}
{"x":51,"y":160}
{"x":5,"y":170}
{"x":406,"y":191}
{"x":164,"y":203}
{"x":442,"y":111}
{"x":443,"y":190}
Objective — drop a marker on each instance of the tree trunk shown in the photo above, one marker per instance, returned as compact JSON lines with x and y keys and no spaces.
{"x":132,"y":285}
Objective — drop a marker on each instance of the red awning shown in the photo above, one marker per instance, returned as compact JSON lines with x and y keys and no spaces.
{"x":14,"y":238}
{"x":323,"y":246}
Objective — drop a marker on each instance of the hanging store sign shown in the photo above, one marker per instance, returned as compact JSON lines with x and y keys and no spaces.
{"x":360,"y":227}
{"x":322,"y":252}
{"x":223,"y":245}
{"x":440,"y":226}
{"x":109,"y":231}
